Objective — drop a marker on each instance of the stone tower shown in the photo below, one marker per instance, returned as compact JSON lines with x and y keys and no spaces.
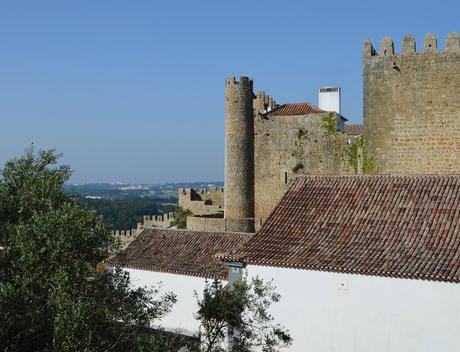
{"x":412,"y":105}
{"x":239,"y":155}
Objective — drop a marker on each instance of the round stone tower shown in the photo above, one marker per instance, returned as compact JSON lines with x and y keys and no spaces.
{"x":239,"y":155}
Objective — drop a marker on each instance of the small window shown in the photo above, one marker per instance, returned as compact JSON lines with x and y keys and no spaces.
{"x":285,"y":178}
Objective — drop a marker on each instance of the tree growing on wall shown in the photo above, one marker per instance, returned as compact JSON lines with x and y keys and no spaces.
{"x":180,"y":218}
{"x":243,"y":310}
{"x":368,"y":162}
{"x":52,"y":298}
{"x":329,"y":123}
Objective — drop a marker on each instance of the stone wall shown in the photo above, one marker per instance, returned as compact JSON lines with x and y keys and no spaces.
{"x":202,"y":201}
{"x":412,"y":106}
{"x":281,"y":143}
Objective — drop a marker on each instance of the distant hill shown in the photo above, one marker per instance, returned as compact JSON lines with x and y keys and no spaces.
{"x":125,"y":190}
{"x":122,"y":205}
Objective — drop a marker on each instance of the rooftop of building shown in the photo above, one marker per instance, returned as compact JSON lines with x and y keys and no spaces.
{"x":294,"y":109}
{"x":354,"y":129}
{"x":180,"y":252}
{"x":392,"y":226}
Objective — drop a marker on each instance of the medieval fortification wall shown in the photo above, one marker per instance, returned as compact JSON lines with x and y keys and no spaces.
{"x":286,"y":146}
{"x":412,"y":105}
{"x":202,"y":201}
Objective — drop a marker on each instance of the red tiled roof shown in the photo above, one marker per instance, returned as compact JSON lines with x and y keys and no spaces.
{"x":294,"y":110}
{"x":354,"y":129}
{"x":396,"y":226}
{"x":179,"y":252}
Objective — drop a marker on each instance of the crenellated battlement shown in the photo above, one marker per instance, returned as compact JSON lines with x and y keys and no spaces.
{"x":263,"y":103}
{"x":125,"y":237}
{"x":185,"y":191}
{"x":243,"y":81}
{"x":430,"y":45}
{"x":166,"y":217}
{"x":125,"y":233}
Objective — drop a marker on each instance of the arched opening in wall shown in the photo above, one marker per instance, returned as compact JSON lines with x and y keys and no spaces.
{"x":384,"y":53}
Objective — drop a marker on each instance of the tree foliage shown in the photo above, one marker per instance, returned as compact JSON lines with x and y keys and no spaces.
{"x":180,"y":218}
{"x":125,"y":213}
{"x":52,"y":298}
{"x":244,"y":311}
{"x":329,"y":123}
{"x":368,"y":161}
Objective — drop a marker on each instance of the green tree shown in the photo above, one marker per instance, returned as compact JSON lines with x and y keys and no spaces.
{"x":180,"y":218}
{"x":243,"y":309}
{"x":124,"y":213}
{"x":329,"y":123}
{"x":52,"y":298}
{"x":368,"y":162}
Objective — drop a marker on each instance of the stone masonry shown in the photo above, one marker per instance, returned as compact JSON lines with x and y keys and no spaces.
{"x":239,"y":154}
{"x":202,"y":201}
{"x":412,"y":106}
{"x":284,"y":142}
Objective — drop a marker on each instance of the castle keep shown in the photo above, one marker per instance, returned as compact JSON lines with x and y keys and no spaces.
{"x":412,"y":105}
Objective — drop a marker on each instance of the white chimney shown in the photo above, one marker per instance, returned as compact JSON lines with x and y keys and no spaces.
{"x":329,"y":99}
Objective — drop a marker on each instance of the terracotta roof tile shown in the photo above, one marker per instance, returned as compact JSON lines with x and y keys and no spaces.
{"x":354,"y":129}
{"x":294,"y":110}
{"x":179,"y":252}
{"x":396,"y":226}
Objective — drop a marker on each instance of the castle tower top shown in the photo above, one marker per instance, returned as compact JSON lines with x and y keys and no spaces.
{"x":430,"y":45}
{"x":244,"y":81}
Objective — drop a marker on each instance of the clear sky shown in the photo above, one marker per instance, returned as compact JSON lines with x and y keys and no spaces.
{"x":133,"y":90}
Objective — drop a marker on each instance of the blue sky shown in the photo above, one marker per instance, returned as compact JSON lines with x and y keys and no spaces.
{"x":133,"y":90}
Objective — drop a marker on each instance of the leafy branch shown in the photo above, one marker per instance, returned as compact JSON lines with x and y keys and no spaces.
{"x":242,"y":311}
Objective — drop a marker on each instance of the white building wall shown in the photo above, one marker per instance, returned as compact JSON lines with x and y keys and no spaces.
{"x":181,"y":317}
{"x":329,"y":99}
{"x":339,"y":312}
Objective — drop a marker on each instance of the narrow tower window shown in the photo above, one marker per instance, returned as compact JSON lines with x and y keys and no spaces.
{"x":285,"y":178}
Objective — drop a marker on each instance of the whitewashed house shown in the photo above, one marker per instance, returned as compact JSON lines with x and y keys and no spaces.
{"x":181,"y":261}
{"x":363,"y":263}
